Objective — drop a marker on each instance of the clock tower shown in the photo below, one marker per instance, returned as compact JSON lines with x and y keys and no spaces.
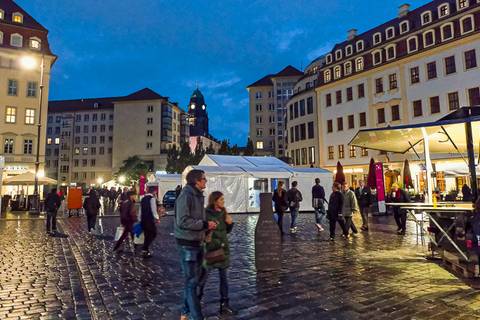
{"x":197,"y":109}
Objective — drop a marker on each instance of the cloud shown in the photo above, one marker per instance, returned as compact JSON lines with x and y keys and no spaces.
{"x":286,"y":38}
{"x":216,"y":83}
{"x":321,"y":50}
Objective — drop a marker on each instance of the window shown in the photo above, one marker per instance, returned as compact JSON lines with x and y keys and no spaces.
{"x":395,"y":113}
{"x":412,"y":44}
{"x":29,"y":116}
{"x":309,"y":105}
{"x":351,"y":121}
{"x":364,"y":152}
{"x":35,"y":43}
{"x":428,"y":38}
{"x":329,"y":58}
{"x":470,"y":59}
{"x":361,"y":90}
{"x":295,"y":110}
{"x":348,"y":68}
{"x":379,"y":85}
{"x":380,"y":115}
{"x":462,"y":4}
{"x":426,"y":17}
{"x":85,"y":129}
{"x":404,"y":27}
{"x":16,"y":40}
{"x":349,"y":50}
{"x":340,"y":124}
{"x":450,"y":66}
{"x":447,"y":31}
{"x":414,"y":75}
{"x":341,"y":151}
{"x":349,"y":94}
{"x":93,"y":151}
{"x":149,"y":109}
{"x":84,"y":150}
{"x":453,"y":102}
{"x":390,"y":33}
{"x":310,"y":130}
{"x":258,"y":95}
{"x":85,"y":140}
{"x":102,"y":128}
{"x":49,"y":140}
{"x":94,"y":117}
{"x":259,"y":145}
{"x":359,"y":64}
{"x":94,"y":128}
{"x":259,"y":132}
{"x":291,"y":111}
{"x":258,"y":107}
{"x":392,"y":79}
{"x":11,"y":115}
{"x":353,"y":152}
{"x":2,"y":14}
{"x":92,"y":163}
{"x":330,"y":152}
{"x":443,"y":10}
{"x":303,"y":132}
{"x":77,"y":129}
{"x":474,"y":96}
{"x":377,"y":57}
{"x":466,"y":24}
{"x":271,"y":107}
{"x":12,"y":87}
{"x":417,"y":108}
{"x":297,"y":133}
{"x":101,"y":150}
{"x":103,"y":116}
{"x":434,"y":105}
{"x":302,"y":107}
{"x":328,"y":99}
{"x":431,"y":70}
{"x":149,"y":120}
{"x":363,"y":119}
{"x":337,"y":72}
{"x":329,"y":126}
{"x":31,"y":89}
{"x":327,"y":76}
{"x":149,"y":145}
{"x":338,"y":54}
{"x":311,"y":155}
{"x":102,"y":139}
{"x":8,"y":146}
{"x":391,"y":52}
{"x":377,"y":38}
{"x":27,"y":146}
{"x":17,"y":17}
{"x":84,"y":162}
{"x":338,"y":96}
{"x":360,"y":45}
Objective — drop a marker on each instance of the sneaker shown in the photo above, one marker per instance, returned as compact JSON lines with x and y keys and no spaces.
{"x":293,"y":230}
{"x":332,"y":239}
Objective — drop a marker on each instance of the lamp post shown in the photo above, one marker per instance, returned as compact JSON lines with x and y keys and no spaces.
{"x":29,"y":63}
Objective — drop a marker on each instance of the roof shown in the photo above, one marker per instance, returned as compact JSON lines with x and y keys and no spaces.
{"x":143,"y":94}
{"x":266,"y":81}
{"x":10,"y":7}
{"x":243,"y":161}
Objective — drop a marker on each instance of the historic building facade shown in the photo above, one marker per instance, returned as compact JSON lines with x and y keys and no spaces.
{"x":268,"y":110}
{"x":23,"y":47}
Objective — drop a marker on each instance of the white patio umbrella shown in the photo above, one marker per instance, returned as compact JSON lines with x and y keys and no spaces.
{"x":27,"y":178}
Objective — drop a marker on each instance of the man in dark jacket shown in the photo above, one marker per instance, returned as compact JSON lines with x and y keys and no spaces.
{"x":399,"y":196}
{"x":318,"y":204}
{"x":149,"y":218}
{"x":280,"y":203}
{"x":127,"y":218}
{"x":364,"y":198}
{"x":189,"y":229}
{"x":91,"y":204}
{"x":52,"y":203}
{"x":335,"y":206}
{"x":294,"y":197}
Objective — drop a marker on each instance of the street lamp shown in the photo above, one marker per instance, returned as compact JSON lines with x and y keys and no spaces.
{"x":122,"y":179}
{"x":30,"y":63}
{"x":100,"y":181}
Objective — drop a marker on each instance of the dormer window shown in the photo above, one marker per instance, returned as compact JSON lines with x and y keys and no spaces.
{"x":337,"y":72}
{"x":390,"y":33}
{"x":377,"y":57}
{"x":2,"y":14}
{"x":35,"y":43}
{"x":447,"y":31}
{"x":377,"y":38}
{"x":349,"y":50}
{"x":327,"y":76}
{"x":462,"y":4}
{"x":404,"y":27}
{"x":466,"y":24}
{"x":412,"y":44}
{"x":443,"y":10}
{"x":329,"y":58}
{"x":16,"y":40}
{"x":428,"y":38}
{"x":426,"y":17}
{"x":338,"y":55}
{"x":391,"y":52}
{"x":347,"y":68}
{"x":17,"y":17}
{"x":359,"y":64}
{"x":360,"y":45}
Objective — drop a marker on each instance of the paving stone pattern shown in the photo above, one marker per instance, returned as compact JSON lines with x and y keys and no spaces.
{"x":378,"y":275}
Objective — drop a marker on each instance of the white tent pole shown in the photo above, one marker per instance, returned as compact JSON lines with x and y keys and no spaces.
{"x":428,"y":165}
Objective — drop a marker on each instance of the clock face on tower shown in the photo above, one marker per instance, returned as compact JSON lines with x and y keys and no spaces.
{"x":192,"y":107}
{"x":203,"y":107}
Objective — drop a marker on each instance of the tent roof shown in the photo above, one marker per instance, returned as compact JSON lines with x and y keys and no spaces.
{"x":441,"y":134}
{"x":27,"y":178}
{"x":242,"y":161}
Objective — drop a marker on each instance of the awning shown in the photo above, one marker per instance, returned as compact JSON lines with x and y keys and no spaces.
{"x":27,"y":178}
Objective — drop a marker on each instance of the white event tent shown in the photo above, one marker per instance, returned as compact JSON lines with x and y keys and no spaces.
{"x":243,"y":178}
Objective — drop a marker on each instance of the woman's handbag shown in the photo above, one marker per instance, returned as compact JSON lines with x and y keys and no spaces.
{"x":215,"y":256}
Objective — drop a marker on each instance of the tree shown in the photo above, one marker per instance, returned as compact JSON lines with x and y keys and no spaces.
{"x":199,"y":152}
{"x":225,"y":148}
{"x":249,"y":150}
{"x":172,"y":160}
{"x":235,"y":150}
{"x":210,"y":149}
{"x":132,"y":168}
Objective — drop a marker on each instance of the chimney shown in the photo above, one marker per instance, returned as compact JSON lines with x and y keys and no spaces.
{"x":352,"y":33}
{"x":403,"y":10}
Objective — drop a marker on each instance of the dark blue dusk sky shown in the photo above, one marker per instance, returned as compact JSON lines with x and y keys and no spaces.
{"x":115,"y":47}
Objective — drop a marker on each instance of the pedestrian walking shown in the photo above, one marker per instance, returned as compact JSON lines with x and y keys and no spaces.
{"x":128,"y":217}
{"x":91,"y":204}
{"x":190,"y":227}
{"x":217,"y":250}
{"x":294,"y":197}
{"x":149,"y":218}
{"x":399,"y":196}
{"x":364,"y":198}
{"x":318,"y":204}
{"x":112,"y":196}
{"x":350,"y":207}
{"x":280,"y":201}
{"x":335,"y":206}
{"x":52,"y":204}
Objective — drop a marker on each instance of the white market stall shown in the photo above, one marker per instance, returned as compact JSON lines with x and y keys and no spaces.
{"x":165,"y":182}
{"x":242,"y":179}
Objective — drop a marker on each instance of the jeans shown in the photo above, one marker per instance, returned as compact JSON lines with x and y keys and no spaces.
{"x":222,"y":273}
{"x":320,"y":214}
{"x":294,"y":215}
{"x":333,"y":223}
{"x":350,"y":225}
{"x":51,"y":221}
{"x":191,"y":259}
{"x":400,"y":218}
{"x":150,"y":231}
{"x":280,"y":221}
{"x":91,"y":221}
{"x":364,"y":212}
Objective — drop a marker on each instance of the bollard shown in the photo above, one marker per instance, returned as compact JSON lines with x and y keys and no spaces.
{"x":267,"y":237}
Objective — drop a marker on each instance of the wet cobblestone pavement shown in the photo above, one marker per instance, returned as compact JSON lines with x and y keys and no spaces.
{"x":373,"y":276}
